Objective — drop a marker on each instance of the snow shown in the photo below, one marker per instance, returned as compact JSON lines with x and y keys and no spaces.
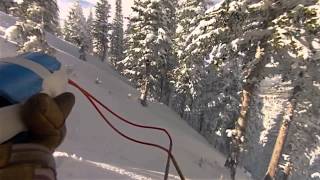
{"x":258,"y":5}
{"x":32,"y":44}
{"x":235,"y":44}
{"x":272,"y":104}
{"x":315,"y":44}
{"x":93,"y":151}
{"x":234,"y":6}
{"x":315,"y":175}
{"x":12,"y":33}
{"x":19,"y":1}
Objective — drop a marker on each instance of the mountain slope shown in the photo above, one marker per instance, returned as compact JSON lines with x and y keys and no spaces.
{"x":92,"y":150}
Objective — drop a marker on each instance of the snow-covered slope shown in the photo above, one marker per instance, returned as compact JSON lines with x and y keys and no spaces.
{"x":92,"y":150}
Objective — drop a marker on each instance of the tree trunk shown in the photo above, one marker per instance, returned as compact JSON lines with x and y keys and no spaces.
{"x":144,"y":93}
{"x":182,"y":105}
{"x":168,"y":95}
{"x":164,"y":87}
{"x":104,"y":53}
{"x":145,"y":90}
{"x":281,"y":139}
{"x":82,"y":53}
{"x":201,"y":121}
{"x":241,"y":124}
{"x":161,"y":89}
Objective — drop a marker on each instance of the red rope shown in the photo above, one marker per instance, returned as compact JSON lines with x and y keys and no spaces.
{"x":94,"y":100}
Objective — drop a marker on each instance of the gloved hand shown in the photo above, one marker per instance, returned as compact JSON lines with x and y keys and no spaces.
{"x":31,"y":158}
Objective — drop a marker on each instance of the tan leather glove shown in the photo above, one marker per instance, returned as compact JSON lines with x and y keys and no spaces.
{"x":32,"y":159}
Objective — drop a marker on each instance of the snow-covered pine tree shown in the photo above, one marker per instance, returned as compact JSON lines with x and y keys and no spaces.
{"x":190,"y":67}
{"x":84,"y":46}
{"x":117,"y":39}
{"x":255,"y":41}
{"x":73,"y":24}
{"x":50,"y":15}
{"x":149,"y":54}
{"x":29,"y":34}
{"x":126,"y":38}
{"x":75,"y":29}
{"x":295,"y":39}
{"x":219,"y":33}
{"x":101,"y":28}
{"x":169,"y":24}
{"x":90,"y":31}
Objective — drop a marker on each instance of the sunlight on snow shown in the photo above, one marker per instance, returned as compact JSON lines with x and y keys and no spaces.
{"x":105,"y":166}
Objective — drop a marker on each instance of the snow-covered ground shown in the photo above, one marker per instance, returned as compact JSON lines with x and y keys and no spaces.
{"x":92,"y":150}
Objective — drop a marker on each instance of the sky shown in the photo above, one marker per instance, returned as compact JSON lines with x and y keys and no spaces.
{"x":87,"y":5}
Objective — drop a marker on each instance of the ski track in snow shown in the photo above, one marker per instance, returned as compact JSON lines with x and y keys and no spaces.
{"x":93,"y":151}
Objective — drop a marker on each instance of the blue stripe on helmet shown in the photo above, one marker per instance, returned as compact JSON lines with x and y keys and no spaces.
{"x":17,"y":83}
{"x":49,"y":62}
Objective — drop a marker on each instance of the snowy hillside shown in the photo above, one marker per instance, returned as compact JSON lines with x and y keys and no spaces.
{"x":92,"y":150}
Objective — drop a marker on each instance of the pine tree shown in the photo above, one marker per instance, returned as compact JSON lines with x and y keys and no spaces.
{"x":50,"y":15}
{"x":120,"y":66}
{"x":117,"y":39}
{"x":150,"y":49}
{"x":167,"y":76}
{"x":294,"y":32}
{"x":190,"y":68}
{"x":101,"y":28}
{"x":247,"y":38}
{"x":75,"y":29}
{"x":90,"y":32}
{"x":216,"y":39}
{"x":28,"y":33}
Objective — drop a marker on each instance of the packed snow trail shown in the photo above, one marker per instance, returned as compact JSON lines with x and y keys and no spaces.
{"x":94,"y":151}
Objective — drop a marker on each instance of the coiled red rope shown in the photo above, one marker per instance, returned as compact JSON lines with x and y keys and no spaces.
{"x":94,"y":100}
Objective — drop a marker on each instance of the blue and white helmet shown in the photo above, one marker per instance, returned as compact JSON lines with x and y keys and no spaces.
{"x":22,"y":77}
